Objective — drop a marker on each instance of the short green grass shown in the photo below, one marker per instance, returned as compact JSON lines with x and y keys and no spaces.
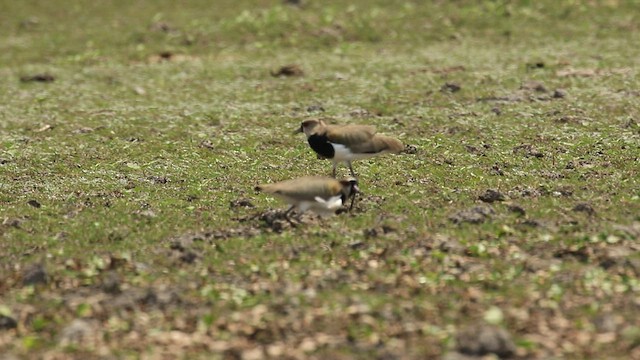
{"x":135,"y":160}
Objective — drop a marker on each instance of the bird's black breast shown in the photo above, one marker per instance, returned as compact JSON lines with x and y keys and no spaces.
{"x":321,"y":145}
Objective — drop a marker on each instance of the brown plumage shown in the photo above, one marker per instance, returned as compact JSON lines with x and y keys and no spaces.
{"x":344,"y":143}
{"x":322,"y":195}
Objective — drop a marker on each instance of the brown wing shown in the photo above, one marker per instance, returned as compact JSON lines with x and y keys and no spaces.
{"x":350,"y":135}
{"x":304,"y":188}
{"x":378,"y":144}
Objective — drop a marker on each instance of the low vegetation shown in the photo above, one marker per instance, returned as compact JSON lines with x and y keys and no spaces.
{"x":132,"y":135}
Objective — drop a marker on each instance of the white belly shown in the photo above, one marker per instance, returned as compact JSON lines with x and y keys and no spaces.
{"x":343,"y":153}
{"x":321,"y":206}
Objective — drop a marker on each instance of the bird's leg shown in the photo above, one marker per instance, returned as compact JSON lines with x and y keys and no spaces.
{"x":334,"y":169}
{"x":351,"y":168}
{"x":353,"y":200}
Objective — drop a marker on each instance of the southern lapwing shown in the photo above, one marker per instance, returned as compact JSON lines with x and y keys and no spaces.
{"x":322,"y":195}
{"x":345,"y":143}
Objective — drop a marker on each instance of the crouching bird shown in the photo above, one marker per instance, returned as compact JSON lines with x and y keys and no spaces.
{"x":322,"y":195}
{"x":345,"y":143}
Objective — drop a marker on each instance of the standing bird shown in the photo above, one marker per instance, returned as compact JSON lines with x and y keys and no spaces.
{"x":345,"y":143}
{"x":320,"y":194}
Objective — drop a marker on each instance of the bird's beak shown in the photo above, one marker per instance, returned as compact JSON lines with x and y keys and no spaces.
{"x":298,"y":130}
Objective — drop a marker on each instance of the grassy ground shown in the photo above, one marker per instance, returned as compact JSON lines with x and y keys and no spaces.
{"x":130,"y":228}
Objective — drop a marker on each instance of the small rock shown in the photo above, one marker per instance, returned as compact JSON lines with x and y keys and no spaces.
{"x":34,"y":274}
{"x":34,"y":203}
{"x":450,"y":88}
{"x":496,"y":110}
{"x":559,"y":94}
{"x":491,"y":196}
{"x":7,"y":323}
{"x":584,"y":207}
{"x":480,"y":340}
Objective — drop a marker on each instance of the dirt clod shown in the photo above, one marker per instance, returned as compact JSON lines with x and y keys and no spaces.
{"x":35,"y":274}
{"x":76,"y":333}
{"x":34,"y":203}
{"x":559,"y":94}
{"x":450,"y":88}
{"x":288,"y":70}
{"x":491,"y":196}
{"x":535,"y":65}
{"x":7,"y":323}
{"x":207,"y":144}
{"x":516,"y":209}
{"x":528,"y":150}
{"x":275,"y":220}
{"x":534,"y":86}
{"x":474,"y":215}
{"x":410,"y":149}
{"x":188,"y":257}
{"x":315,"y":108}
{"x":585,"y":208}
{"x":111,"y":283}
{"x":480,"y":340}
{"x":241,"y":203}
{"x":44,"y":78}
